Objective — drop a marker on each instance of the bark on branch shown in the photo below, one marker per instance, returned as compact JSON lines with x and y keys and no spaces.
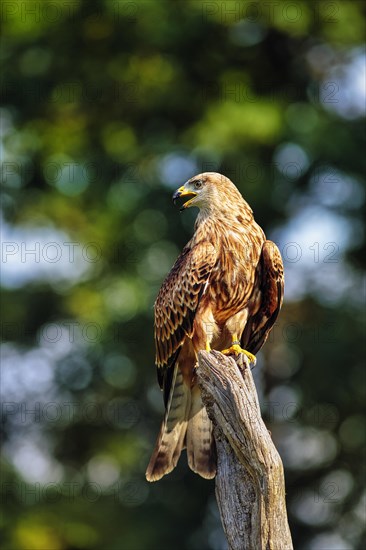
{"x":250,"y":486}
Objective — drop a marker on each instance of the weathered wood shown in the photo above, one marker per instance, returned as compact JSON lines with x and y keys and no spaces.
{"x":250,"y":486}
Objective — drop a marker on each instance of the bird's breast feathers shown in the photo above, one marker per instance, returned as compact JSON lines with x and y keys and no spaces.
{"x":232,"y":277}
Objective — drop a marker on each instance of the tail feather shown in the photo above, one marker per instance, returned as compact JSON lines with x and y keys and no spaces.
{"x":185,"y":424}
{"x":201,"y":449}
{"x":170,"y":440}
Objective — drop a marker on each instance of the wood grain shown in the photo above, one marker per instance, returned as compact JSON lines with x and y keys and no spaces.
{"x":250,"y":486}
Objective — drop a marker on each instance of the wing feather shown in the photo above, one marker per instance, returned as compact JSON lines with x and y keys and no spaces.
{"x":177,"y":302}
{"x":271,"y":283}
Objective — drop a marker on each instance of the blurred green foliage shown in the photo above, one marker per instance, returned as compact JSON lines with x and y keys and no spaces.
{"x":107,"y":107}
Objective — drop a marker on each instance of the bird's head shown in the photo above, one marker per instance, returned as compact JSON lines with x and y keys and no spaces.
{"x":207,"y":191}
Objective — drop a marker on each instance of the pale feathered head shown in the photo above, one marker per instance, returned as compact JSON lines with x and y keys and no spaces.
{"x":210,"y":192}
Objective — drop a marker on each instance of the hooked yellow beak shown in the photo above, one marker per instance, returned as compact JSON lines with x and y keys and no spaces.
{"x":183,"y":192}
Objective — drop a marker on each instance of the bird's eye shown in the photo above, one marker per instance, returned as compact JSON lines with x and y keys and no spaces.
{"x":198,"y":184}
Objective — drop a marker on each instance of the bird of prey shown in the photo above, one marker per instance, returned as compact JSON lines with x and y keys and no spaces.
{"x":224,"y":292}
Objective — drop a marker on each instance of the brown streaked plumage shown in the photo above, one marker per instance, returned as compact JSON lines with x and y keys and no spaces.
{"x":226,"y":285}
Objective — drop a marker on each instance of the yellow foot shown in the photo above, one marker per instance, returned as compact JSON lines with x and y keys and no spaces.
{"x":235,"y":349}
{"x":208,"y":347}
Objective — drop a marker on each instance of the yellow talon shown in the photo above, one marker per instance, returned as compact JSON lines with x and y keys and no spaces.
{"x":235,"y":349}
{"x":208,"y":347}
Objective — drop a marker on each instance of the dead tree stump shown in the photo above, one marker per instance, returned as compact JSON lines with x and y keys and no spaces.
{"x":250,"y":486}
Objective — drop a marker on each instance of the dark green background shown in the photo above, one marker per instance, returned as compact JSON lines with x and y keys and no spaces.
{"x":108,"y":106}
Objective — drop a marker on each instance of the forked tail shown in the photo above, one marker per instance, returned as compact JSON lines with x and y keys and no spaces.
{"x":185,"y":424}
